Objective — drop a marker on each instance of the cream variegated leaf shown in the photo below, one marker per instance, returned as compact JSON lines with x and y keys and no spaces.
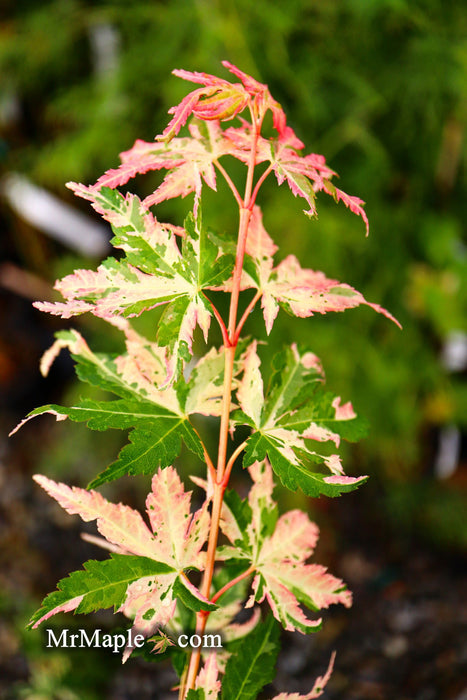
{"x":305,"y":175}
{"x":278,"y":551}
{"x":208,"y":678}
{"x":155,"y":416}
{"x":294,"y":415}
{"x":151,"y":604}
{"x":175,"y":538}
{"x":301,"y":292}
{"x":294,"y":538}
{"x":250,"y":389}
{"x":189,"y":161}
{"x":154,"y":271}
{"x":304,"y":292}
{"x":119,"y":524}
{"x":259,"y":244}
{"x":283,"y":603}
{"x":203,"y":390}
{"x":173,"y":544}
{"x":168,"y":508}
{"x":262,"y":505}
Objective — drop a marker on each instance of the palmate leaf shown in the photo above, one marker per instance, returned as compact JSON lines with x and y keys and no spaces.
{"x":220,"y":100}
{"x":294,"y":414}
{"x":158,"y":419}
{"x":305,"y":175}
{"x":155,"y":417}
{"x":277,"y":550}
{"x":189,"y":161}
{"x":100,"y":585}
{"x":154,"y":271}
{"x":303,"y":293}
{"x":146,"y":586}
{"x":299,"y":291}
{"x":208,"y":684}
{"x":247,"y":675}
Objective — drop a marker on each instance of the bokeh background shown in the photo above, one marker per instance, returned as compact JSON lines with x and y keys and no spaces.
{"x":380,"y":88}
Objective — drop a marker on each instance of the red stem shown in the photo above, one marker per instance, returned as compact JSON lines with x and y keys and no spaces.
{"x":260,"y":182}
{"x":230,"y":183}
{"x":220,"y":321}
{"x":232,"y":583}
{"x":229,"y":354}
{"x":246,"y":313}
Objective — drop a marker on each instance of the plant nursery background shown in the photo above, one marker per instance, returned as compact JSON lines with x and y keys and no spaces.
{"x":380,"y":88}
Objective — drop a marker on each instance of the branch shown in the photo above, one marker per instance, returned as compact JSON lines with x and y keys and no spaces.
{"x":220,"y":321}
{"x":231,"y":462}
{"x":246,"y":313}
{"x":259,"y":183}
{"x":230,"y":183}
{"x":232,"y":583}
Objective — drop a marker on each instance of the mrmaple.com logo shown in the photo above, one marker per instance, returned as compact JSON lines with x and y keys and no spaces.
{"x":116,"y":642}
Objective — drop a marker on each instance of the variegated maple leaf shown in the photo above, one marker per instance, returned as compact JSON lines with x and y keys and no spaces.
{"x":303,"y":292}
{"x":153,"y":272}
{"x":158,"y":418}
{"x":277,"y":551}
{"x":209,"y":683}
{"x":305,"y":175}
{"x":295,"y":413}
{"x":299,"y":291}
{"x":221,"y":100}
{"x":146,"y":587}
{"x":188,"y":160}
{"x":318,"y":687}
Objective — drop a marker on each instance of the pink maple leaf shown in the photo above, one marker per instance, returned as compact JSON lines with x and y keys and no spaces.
{"x":176,"y":538}
{"x":221,"y":100}
{"x":189,"y":161}
{"x":306,"y":292}
{"x":305,"y":174}
{"x":218,"y":99}
{"x":259,"y":243}
{"x":282,"y":575}
{"x":208,"y":680}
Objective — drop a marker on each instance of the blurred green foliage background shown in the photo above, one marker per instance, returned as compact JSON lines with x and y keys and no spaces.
{"x":380,"y":88}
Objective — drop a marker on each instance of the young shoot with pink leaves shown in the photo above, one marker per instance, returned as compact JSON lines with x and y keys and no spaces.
{"x":168,"y":573}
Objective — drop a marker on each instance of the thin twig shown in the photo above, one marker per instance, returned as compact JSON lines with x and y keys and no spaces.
{"x":246,"y":313}
{"x":260,"y":182}
{"x":230,"y":183}
{"x":231,"y":583}
{"x":231,"y":461}
{"x":219,"y":319}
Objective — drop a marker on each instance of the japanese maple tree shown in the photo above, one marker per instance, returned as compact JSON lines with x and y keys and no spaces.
{"x":171,"y":574}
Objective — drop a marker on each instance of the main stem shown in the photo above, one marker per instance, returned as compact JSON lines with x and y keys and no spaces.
{"x":220,"y":483}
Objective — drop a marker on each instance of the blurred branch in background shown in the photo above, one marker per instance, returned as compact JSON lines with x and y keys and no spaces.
{"x":55,"y":218}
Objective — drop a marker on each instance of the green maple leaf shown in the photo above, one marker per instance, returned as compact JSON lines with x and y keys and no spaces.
{"x":291,"y":418}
